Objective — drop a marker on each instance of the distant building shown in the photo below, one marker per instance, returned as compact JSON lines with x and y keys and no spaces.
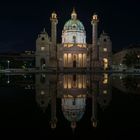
{"x":17,"y":60}
{"x":73,"y":52}
{"x":118,"y":58}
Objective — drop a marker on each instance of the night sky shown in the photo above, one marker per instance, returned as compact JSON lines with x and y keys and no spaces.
{"x":21,"y":21}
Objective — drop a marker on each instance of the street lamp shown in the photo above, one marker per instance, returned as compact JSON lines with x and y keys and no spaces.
{"x":8,"y":63}
{"x":8,"y":79}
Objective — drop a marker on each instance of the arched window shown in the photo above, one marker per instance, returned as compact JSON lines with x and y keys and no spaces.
{"x":105,"y":63}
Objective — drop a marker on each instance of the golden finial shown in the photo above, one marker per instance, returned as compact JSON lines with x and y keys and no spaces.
{"x":73,"y":14}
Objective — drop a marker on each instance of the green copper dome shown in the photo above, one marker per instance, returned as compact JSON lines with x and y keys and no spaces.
{"x":73,"y":115}
{"x":74,"y":24}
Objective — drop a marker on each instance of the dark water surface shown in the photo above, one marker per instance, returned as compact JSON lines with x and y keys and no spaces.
{"x":73,"y":105}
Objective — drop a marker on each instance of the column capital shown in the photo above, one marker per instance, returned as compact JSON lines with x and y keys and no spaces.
{"x":53,"y":17}
{"x":95,"y":19}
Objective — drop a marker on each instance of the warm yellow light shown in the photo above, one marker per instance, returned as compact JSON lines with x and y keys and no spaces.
{"x":84,"y":46}
{"x":79,"y":45}
{"x":105,"y":49}
{"x":69,"y":85}
{"x":105,"y":60}
{"x":105,"y":66}
{"x":84,"y":60}
{"x":73,"y":14}
{"x":80,"y":56}
{"x":69,"y":56}
{"x":65,"y":45}
{"x":80,"y":60}
{"x":54,"y":15}
{"x":105,"y":63}
{"x":105,"y":81}
{"x":79,"y":85}
{"x":95,"y":17}
{"x":69,"y":82}
{"x":67,"y":96}
{"x":81,"y":96}
{"x":106,"y":76}
{"x":70,"y":96}
{"x":65,"y":84}
{"x":65,"y":57}
{"x":70,"y":45}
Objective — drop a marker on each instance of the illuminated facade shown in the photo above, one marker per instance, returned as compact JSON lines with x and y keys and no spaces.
{"x":73,"y":52}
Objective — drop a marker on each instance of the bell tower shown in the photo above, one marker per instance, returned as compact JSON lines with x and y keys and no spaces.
{"x":42,"y":51}
{"x":105,"y":51}
{"x":42,"y":88}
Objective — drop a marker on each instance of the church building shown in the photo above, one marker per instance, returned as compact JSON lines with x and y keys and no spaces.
{"x":73,"y":52}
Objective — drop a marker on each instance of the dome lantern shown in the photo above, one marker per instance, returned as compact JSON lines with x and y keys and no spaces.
{"x":74,"y":14}
{"x":74,"y":31}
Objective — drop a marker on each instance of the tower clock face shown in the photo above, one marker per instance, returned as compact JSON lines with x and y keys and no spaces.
{"x":42,"y":48}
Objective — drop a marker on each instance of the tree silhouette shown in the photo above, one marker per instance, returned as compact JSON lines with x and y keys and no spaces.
{"x":131,"y":59}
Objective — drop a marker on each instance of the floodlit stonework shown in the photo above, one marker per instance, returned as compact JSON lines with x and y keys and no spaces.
{"x":73,"y":52}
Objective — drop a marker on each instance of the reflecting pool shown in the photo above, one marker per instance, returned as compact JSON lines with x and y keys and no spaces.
{"x":101,"y":105}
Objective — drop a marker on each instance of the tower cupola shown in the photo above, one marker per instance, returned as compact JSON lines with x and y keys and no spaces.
{"x":74,"y":14}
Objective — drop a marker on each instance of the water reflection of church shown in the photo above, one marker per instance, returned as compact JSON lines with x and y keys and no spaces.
{"x":73,"y":90}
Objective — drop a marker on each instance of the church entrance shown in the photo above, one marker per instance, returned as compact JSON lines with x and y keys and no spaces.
{"x":74,"y":64}
{"x":74,"y":61}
